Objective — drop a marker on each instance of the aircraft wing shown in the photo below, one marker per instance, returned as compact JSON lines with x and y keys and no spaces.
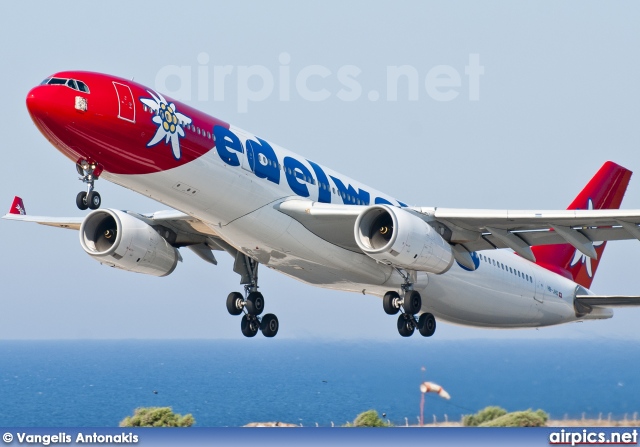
{"x":481,"y":229}
{"x":488,"y":229}
{"x":179,"y":228}
{"x":331,"y":222}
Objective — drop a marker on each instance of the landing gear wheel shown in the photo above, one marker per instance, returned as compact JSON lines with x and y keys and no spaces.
{"x":412,"y":302}
{"x":249,"y":325}
{"x":405,"y":325}
{"x":94,"y":200}
{"x":269,"y":325}
{"x":389,"y":303}
{"x":255,"y":303}
{"x":235,"y":303}
{"x":81,"y":200}
{"x":427,"y":325}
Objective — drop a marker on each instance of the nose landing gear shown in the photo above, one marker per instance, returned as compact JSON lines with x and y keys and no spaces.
{"x":90,"y":172}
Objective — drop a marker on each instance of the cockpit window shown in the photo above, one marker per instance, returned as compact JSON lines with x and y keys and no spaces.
{"x":83,"y":87}
{"x":71,"y":83}
{"x":57,"y":81}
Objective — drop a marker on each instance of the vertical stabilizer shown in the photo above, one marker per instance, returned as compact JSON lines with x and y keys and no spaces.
{"x":17,"y":207}
{"x":604,"y":191}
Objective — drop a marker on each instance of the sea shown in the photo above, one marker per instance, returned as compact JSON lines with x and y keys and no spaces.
{"x":312,"y":382}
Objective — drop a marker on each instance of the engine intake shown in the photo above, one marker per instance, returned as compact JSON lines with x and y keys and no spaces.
{"x":120,"y":240}
{"x":399,"y":238}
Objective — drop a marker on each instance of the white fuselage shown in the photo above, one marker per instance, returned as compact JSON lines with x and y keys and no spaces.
{"x":505,"y":290}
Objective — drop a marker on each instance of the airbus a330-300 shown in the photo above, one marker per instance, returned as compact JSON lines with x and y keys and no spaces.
{"x":234,"y":192}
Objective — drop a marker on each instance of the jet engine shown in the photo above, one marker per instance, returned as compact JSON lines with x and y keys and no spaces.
{"x":120,"y":240}
{"x":399,"y":238}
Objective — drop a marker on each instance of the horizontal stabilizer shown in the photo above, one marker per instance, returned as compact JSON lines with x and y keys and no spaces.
{"x":72,"y":223}
{"x":608,"y":300}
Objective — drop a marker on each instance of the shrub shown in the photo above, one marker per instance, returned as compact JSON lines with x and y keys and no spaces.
{"x":485,"y":415}
{"x":157,"y":417}
{"x":368,"y":419}
{"x":519,"y":419}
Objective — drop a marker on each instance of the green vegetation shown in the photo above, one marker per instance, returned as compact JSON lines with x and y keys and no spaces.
{"x":157,"y":417}
{"x":368,"y":419}
{"x":482,"y":416}
{"x":498,"y":417}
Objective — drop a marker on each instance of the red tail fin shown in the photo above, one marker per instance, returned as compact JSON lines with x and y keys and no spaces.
{"x":17,"y":207}
{"x":604,"y":191}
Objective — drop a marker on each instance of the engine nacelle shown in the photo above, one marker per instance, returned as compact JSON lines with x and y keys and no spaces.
{"x":396,"y":237}
{"x":119,"y":240}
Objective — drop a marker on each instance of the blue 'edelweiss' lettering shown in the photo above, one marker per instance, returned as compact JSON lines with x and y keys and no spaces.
{"x":297,"y":176}
{"x":263,"y":161}
{"x":227,"y":141}
{"x":350,"y":195}
{"x":324,"y":193}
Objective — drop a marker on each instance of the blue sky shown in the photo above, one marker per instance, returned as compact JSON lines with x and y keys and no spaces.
{"x":558,"y":97}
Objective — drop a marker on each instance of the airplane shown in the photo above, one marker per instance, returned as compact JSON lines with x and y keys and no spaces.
{"x":234,"y":192}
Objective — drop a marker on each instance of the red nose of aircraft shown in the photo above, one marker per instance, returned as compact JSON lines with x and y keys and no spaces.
{"x":57,"y":107}
{"x":37,"y":102}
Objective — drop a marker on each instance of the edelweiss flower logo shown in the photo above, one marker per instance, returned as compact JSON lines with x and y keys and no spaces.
{"x":579,"y":257}
{"x":169,"y":122}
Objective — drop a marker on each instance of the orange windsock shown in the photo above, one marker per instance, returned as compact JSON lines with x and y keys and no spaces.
{"x":430,"y":387}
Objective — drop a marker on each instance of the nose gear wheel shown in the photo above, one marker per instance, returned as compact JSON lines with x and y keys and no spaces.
{"x":89,"y":174}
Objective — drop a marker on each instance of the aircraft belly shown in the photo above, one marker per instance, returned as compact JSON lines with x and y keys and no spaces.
{"x":486,"y":300}
{"x":280,"y":242}
{"x":252,"y":225}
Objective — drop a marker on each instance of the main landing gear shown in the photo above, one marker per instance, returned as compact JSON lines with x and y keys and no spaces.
{"x":252,"y":302}
{"x":410,"y":304}
{"x":90,"y":173}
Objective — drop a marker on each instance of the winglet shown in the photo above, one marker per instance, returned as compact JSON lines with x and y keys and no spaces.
{"x":17,"y":207}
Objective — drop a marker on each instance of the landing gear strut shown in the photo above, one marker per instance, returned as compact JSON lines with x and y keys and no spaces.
{"x":410,"y":304}
{"x":252,"y":302}
{"x":90,"y":173}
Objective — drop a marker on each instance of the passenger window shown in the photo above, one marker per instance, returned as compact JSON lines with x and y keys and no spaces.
{"x":208,"y":135}
{"x":510,"y":270}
